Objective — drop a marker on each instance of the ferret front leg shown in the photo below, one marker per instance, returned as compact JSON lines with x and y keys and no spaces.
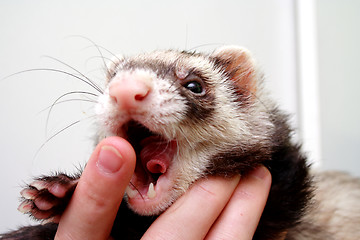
{"x":47,"y":197}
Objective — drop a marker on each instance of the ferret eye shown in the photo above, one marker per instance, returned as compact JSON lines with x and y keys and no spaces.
{"x":194,"y":86}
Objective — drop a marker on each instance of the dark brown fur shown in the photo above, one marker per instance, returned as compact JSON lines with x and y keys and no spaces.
{"x":291,"y":187}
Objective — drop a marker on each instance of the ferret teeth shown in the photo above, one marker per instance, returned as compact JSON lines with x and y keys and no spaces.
{"x":130,"y":193}
{"x":151,"y":192}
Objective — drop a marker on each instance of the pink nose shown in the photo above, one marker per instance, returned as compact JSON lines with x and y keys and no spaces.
{"x":130,"y":90}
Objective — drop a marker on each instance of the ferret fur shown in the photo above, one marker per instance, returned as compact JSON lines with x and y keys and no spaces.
{"x":230,"y":128}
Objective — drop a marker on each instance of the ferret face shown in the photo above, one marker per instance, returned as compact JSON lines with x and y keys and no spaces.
{"x":183,"y":113}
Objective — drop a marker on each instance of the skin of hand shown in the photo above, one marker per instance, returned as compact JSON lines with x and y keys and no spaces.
{"x":213,"y":208}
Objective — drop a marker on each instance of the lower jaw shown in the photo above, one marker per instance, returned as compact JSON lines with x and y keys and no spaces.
{"x":143,"y":202}
{"x":143,"y":210}
{"x":146,"y":207}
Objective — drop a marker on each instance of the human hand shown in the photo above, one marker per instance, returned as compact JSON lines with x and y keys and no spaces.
{"x":216,"y":208}
{"x":97,"y":197}
{"x":213,"y":208}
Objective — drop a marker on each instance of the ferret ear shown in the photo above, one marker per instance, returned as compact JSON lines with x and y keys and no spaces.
{"x":112,"y":65}
{"x":239,"y":64}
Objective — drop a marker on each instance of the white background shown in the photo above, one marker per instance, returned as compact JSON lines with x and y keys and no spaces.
{"x":31,"y":30}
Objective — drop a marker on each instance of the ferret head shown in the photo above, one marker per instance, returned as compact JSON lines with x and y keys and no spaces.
{"x":186,"y":115}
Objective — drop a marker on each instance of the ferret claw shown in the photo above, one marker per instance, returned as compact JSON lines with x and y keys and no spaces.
{"x":46,"y":197}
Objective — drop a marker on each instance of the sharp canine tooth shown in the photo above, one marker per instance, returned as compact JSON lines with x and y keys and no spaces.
{"x":151,"y":192}
{"x":130,"y":193}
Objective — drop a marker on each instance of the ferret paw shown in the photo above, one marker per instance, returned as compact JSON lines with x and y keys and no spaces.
{"x":47,"y":197}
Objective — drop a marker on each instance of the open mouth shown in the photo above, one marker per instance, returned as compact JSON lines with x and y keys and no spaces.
{"x":151,"y":180}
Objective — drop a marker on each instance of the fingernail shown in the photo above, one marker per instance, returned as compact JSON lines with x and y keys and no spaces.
{"x":109,"y":159}
{"x":260,"y":172}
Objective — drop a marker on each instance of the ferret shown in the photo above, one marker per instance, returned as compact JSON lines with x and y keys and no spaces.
{"x":190,"y":115}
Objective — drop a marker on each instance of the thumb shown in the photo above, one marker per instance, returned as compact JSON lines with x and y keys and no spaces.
{"x":97,"y":197}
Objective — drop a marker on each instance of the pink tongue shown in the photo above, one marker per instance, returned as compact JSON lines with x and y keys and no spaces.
{"x":157,"y":166}
{"x":156,"y":154}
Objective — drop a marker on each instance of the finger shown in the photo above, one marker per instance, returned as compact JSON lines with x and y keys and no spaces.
{"x":241,"y":215}
{"x":191,"y":216}
{"x":97,"y":197}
